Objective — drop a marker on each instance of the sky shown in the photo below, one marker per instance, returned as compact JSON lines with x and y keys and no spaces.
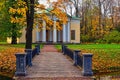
{"x":45,"y":3}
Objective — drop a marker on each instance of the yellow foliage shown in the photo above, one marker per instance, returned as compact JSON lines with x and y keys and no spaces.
{"x":12,"y":10}
{"x":58,"y":26}
{"x":49,"y":22}
{"x":8,"y":60}
{"x":18,"y":13}
{"x":40,"y":6}
{"x":60,"y":14}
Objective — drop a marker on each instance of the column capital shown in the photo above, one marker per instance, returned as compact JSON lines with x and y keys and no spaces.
{"x":87,"y":54}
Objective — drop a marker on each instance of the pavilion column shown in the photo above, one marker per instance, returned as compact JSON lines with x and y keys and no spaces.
{"x":54,"y":31}
{"x":64,"y":33}
{"x":59,"y":36}
{"x":40,"y":33}
{"x":37,"y":34}
{"x":44,"y":32}
{"x":50,"y":35}
{"x":68,"y":29}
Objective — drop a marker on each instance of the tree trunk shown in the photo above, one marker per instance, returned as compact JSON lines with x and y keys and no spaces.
{"x":29,"y":37}
{"x":14,"y":35}
{"x":30,"y":19}
{"x":14,"y":40}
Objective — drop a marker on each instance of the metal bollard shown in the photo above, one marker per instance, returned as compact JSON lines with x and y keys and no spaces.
{"x":20,"y":64}
{"x":87,"y":64}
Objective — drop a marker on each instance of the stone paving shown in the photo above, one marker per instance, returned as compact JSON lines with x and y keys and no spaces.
{"x":49,"y":48}
{"x":52,"y":65}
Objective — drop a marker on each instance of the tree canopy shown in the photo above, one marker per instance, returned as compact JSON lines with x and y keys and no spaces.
{"x":8,"y":29}
{"x":22,"y":12}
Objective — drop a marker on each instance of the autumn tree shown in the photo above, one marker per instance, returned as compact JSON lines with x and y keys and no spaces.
{"x":115,"y":14}
{"x":98,"y":17}
{"x":8,"y":29}
{"x":25,"y":9}
{"x":2,"y":13}
{"x":75,"y":6}
{"x":95,"y":22}
{"x":17,"y":12}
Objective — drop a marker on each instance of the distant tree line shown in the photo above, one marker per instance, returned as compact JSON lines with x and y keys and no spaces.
{"x":98,"y":18}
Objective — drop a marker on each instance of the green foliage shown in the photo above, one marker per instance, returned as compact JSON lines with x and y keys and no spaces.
{"x":8,"y":29}
{"x":85,"y":38}
{"x":2,"y":38}
{"x":118,"y":27}
{"x":112,"y":37}
{"x":100,"y":41}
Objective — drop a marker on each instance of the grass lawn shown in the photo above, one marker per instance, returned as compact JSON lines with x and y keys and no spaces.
{"x":14,"y":45}
{"x":106,"y":57}
{"x":2,"y":48}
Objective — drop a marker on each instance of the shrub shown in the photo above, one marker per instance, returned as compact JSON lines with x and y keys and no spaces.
{"x":85,"y":38}
{"x":100,"y":41}
{"x":112,"y":37}
{"x":118,"y":27}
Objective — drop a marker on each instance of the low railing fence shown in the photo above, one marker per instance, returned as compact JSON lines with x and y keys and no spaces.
{"x":25,"y":59}
{"x":79,"y":60}
{"x":83,"y":60}
{"x":34,"y":52}
{"x":68,"y":52}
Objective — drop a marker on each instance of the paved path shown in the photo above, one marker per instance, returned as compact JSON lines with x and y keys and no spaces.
{"x":52,"y":66}
{"x":49,"y":48}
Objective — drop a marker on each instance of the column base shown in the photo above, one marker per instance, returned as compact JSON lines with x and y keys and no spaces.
{"x":54,"y":42}
{"x":43,"y":41}
{"x":59,"y":41}
{"x":50,"y":41}
{"x":90,"y":73}
{"x":20,"y":73}
{"x":64,"y":42}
